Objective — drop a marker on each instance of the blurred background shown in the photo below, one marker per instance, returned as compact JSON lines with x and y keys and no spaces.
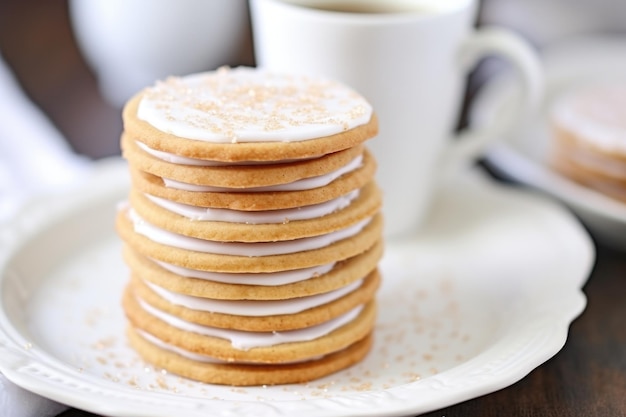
{"x":38,"y":43}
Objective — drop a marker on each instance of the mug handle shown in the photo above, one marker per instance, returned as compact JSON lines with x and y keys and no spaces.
{"x":469,"y":144}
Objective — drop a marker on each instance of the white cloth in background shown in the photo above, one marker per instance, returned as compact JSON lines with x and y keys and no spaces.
{"x":34,"y":156}
{"x":34,"y":159}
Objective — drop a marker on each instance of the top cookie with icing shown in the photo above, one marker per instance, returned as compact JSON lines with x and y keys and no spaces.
{"x":593,"y":116}
{"x":247,"y":114}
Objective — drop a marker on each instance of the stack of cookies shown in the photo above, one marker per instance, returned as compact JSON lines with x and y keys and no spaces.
{"x":252,"y":229}
{"x":589,"y":127}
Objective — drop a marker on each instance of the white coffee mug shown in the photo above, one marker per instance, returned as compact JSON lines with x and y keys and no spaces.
{"x":410,"y":59}
{"x":132,"y":43}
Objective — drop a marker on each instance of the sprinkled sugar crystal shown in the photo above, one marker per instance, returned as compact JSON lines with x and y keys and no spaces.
{"x":248,"y":105}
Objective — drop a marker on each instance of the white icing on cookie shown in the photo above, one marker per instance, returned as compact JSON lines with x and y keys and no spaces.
{"x":176,"y":240}
{"x":252,"y":105}
{"x":255,"y":217}
{"x":183,"y":160}
{"x":203,"y":358}
{"x":254,"y":308}
{"x":178,"y":159}
{"x":264,"y":279}
{"x":182,"y":352}
{"x":243,"y":340}
{"x":300,"y":185}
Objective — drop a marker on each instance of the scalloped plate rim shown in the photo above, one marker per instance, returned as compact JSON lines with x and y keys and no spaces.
{"x":396,"y":399}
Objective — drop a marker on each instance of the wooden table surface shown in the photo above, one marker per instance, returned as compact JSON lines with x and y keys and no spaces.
{"x":586,"y":378}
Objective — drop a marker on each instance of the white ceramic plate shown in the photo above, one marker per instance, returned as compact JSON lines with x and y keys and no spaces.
{"x":482,"y":298}
{"x":522,"y":156}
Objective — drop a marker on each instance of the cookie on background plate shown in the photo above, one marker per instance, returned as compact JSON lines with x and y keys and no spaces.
{"x":589,"y":136}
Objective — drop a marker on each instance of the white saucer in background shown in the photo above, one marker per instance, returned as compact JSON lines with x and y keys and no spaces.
{"x":484,"y":296}
{"x":522,"y":157}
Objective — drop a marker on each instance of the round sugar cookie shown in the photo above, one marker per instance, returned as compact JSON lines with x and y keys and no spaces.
{"x":364,"y":206}
{"x":589,"y":161}
{"x":249,"y":375}
{"x":338,"y":251}
{"x":257,"y":201}
{"x":238,"y":176}
{"x":222,"y":349}
{"x":247,"y":114}
{"x":607,"y":185}
{"x":342,"y":274}
{"x":592,"y":116}
{"x":281,"y":322}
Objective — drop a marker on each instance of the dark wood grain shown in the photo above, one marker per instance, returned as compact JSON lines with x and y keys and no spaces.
{"x":37,"y":43}
{"x":586,"y":378}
